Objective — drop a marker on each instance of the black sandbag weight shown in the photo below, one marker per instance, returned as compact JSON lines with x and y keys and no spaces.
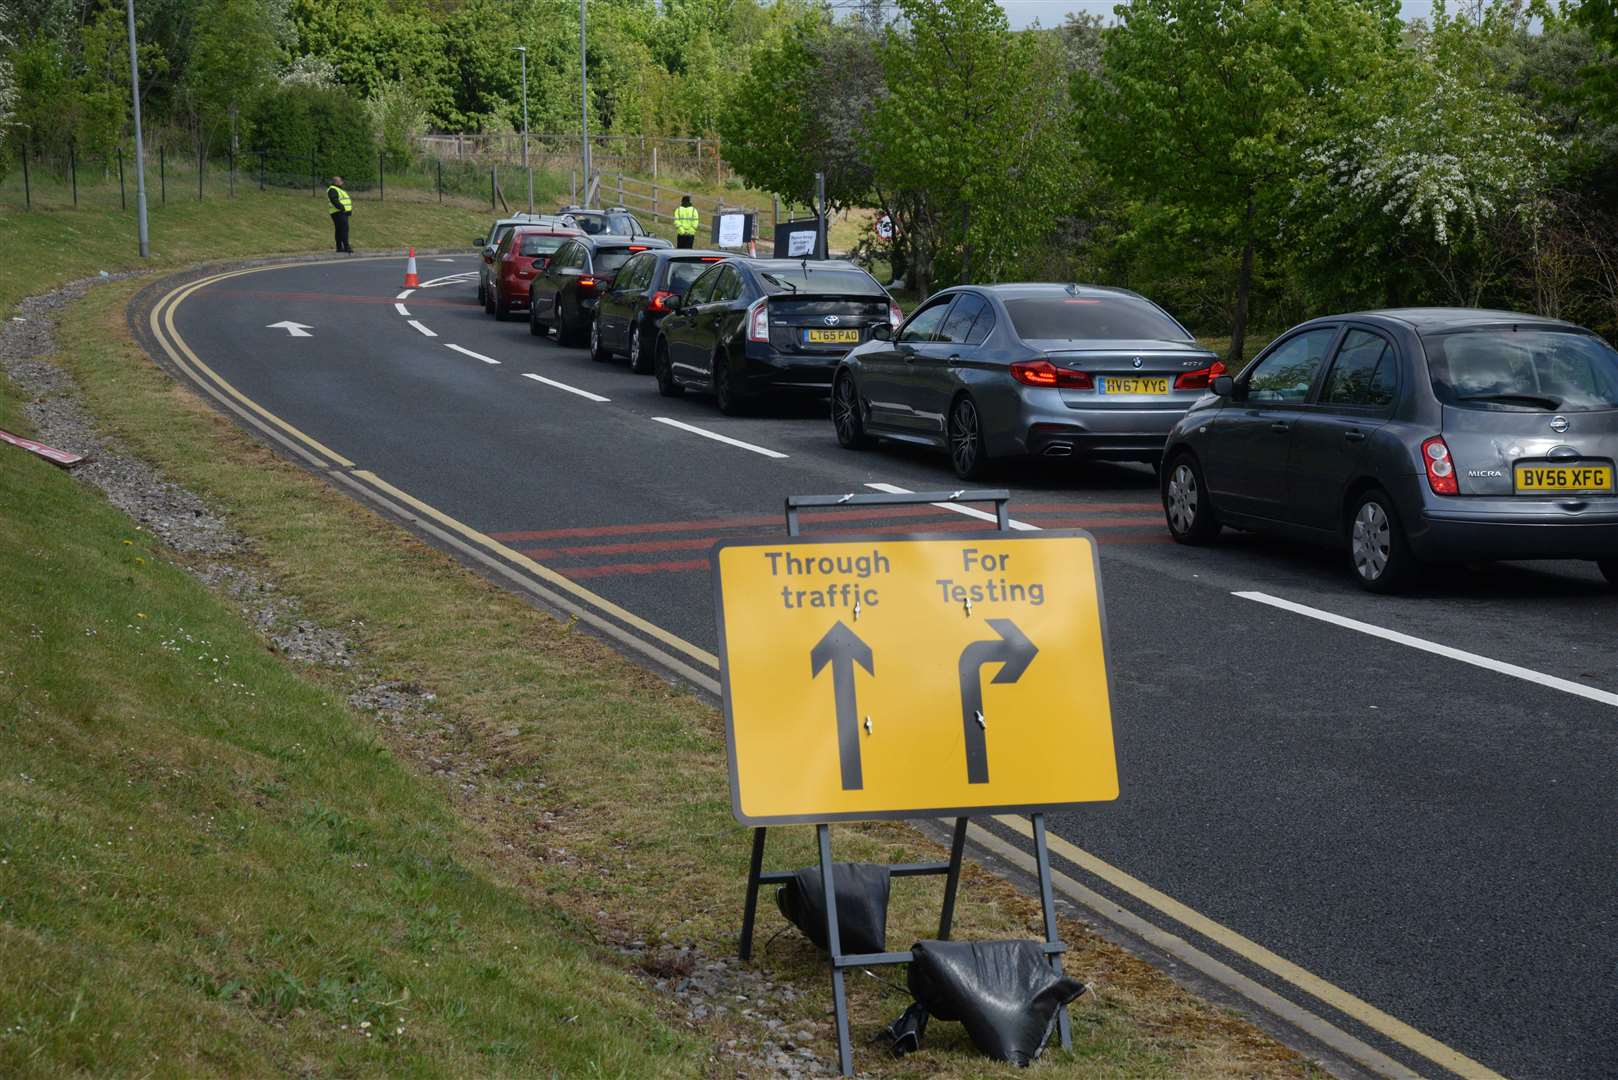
{"x":862,"y":905}
{"x":1003,"y":992}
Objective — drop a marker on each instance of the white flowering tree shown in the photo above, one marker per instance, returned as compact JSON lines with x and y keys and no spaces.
{"x":1452,"y":154}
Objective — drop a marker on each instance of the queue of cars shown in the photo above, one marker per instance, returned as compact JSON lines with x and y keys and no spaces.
{"x":1404,"y":437}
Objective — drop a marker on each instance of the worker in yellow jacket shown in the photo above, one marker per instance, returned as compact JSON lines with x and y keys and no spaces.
{"x":685,"y":223}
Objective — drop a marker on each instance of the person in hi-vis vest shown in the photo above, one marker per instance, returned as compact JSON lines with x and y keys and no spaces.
{"x":341,"y":207}
{"x":685,"y":223}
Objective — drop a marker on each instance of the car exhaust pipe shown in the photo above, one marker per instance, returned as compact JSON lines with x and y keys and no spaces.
{"x":1060,"y":449}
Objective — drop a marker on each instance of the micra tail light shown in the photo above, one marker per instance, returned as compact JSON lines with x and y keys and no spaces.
{"x":659,"y":303}
{"x":895,"y":316}
{"x":1045,"y":373}
{"x":758,"y":320}
{"x":1440,"y":467}
{"x":1201,"y":378}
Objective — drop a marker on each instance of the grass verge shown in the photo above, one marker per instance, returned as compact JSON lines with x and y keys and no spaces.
{"x":244,"y":862}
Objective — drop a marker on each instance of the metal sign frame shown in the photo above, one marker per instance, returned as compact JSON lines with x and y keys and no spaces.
{"x":757,"y":876}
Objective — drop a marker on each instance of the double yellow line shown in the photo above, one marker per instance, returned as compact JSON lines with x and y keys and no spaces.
{"x":701,"y":668}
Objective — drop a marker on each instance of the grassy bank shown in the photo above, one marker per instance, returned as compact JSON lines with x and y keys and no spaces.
{"x":262,"y":869}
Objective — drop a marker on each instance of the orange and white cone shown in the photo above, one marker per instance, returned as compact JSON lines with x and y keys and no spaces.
{"x":410,"y":271}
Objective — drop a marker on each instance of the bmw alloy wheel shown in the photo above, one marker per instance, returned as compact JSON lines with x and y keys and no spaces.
{"x":1372,"y":540}
{"x":965,"y":438}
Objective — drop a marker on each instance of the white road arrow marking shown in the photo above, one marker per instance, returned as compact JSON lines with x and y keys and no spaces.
{"x":293,"y":329}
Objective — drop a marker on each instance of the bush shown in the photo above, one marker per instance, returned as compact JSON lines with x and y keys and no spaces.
{"x":291,"y":123}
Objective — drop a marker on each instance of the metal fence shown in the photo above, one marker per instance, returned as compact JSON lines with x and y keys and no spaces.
{"x":645,"y":155}
{"x":66,"y":179}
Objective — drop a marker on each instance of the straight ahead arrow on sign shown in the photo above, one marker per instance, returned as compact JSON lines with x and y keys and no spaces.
{"x":293,"y":329}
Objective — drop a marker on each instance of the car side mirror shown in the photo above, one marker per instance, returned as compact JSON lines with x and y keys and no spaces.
{"x":1223,"y":385}
{"x":675,"y":302}
{"x":481,"y":241}
{"x":542,"y":263}
{"x":882,"y":332}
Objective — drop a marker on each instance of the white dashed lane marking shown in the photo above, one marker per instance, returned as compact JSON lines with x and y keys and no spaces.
{"x":564,"y":386}
{"x":422,"y":328}
{"x":716,"y":437}
{"x":473,"y":355}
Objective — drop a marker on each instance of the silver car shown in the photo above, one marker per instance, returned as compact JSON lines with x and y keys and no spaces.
{"x":1423,"y":435}
{"x":990,"y":372}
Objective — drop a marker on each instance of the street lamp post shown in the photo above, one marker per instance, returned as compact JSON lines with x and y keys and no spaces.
{"x":526,"y":168}
{"x":584,"y":106}
{"x":140,"y":149}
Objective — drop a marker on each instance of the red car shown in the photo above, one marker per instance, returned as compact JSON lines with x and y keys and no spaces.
{"x":523,"y":253}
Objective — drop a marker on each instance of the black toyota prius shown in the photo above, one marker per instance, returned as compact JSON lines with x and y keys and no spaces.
{"x":748,"y":327}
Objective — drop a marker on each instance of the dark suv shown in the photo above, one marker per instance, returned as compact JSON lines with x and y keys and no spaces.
{"x":612,"y":221}
{"x":628,"y":314}
{"x":565,"y":293}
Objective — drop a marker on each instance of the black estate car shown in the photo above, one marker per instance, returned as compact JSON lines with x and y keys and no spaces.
{"x":749,"y":326}
{"x":564,"y":295}
{"x":628,"y":314}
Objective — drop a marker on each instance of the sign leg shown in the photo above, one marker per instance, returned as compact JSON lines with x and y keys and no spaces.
{"x":952,"y":883}
{"x":834,"y":944}
{"x":1048,"y":904}
{"x":750,"y":911}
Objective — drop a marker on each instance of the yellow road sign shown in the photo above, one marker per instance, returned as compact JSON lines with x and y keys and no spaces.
{"x":869,"y":678}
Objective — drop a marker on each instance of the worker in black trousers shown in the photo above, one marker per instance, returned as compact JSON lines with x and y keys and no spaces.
{"x":341,"y":206}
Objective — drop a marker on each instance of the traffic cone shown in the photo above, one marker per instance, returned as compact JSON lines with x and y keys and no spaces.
{"x":410,"y":271}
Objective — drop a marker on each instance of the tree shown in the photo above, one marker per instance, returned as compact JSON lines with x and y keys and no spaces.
{"x":972,"y":148}
{"x":802,"y":106}
{"x":1214,"y":106}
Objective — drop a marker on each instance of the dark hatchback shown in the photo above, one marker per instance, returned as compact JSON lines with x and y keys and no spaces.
{"x":1411,"y":436}
{"x":629,"y":313}
{"x":1002,"y":371}
{"x":565,"y":293}
{"x":750,"y":326}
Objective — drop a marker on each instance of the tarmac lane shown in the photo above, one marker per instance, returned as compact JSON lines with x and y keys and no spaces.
{"x":1411,"y":799}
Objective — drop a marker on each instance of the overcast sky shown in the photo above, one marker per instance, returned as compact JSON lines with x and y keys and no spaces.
{"x":1055,"y":12}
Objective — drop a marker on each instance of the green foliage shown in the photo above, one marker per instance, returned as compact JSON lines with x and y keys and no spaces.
{"x":974,"y":138}
{"x":1214,"y":106}
{"x":802,"y":106}
{"x":296,"y":126}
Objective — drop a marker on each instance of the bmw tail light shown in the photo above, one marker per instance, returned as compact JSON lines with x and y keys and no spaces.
{"x":1045,"y":373}
{"x":1201,"y":378}
{"x":659,"y":303}
{"x":1440,"y":467}
{"x":895,"y":316}
{"x":758,"y":320}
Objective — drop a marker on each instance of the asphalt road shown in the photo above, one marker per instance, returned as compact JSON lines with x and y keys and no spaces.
{"x":1435,"y":837}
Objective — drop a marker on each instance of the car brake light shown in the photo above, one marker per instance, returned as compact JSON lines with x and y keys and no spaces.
{"x":895,"y":316}
{"x":1201,"y":378}
{"x":1440,"y":467}
{"x":659,"y":303}
{"x":758,"y":320}
{"x":587,"y":282}
{"x":713,"y":258}
{"x":1045,"y":373}
{"x":638,"y":249}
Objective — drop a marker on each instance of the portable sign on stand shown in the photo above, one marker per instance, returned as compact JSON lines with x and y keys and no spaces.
{"x":931,"y":676}
{"x":732,"y":228}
